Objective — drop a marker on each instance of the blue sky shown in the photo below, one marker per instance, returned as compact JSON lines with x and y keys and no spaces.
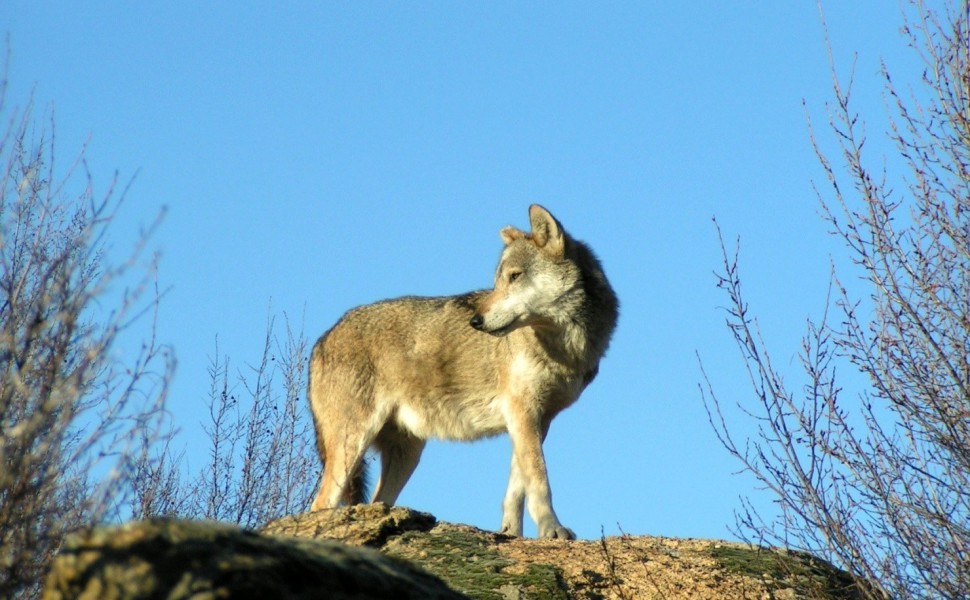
{"x":320,"y":155}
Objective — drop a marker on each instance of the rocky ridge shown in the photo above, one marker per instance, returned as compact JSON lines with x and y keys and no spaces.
{"x":376,"y":551}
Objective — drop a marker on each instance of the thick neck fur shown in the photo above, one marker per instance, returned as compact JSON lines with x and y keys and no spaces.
{"x":580,"y":342}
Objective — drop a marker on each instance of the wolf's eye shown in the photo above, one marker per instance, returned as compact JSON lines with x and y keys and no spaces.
{"x":514,"y":275}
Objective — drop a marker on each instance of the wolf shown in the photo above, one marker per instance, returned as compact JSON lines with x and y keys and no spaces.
{"x":393,"y":374}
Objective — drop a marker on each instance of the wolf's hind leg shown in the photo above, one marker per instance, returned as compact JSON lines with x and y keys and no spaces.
{"x":342,"y":469}
{"x":400,"y":453}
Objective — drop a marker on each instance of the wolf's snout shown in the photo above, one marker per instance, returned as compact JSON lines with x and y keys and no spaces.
{"x":477,"y":321}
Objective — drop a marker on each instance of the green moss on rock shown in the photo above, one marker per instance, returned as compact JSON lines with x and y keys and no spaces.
{"x":463,"y":558}
{"x":780,"y":569}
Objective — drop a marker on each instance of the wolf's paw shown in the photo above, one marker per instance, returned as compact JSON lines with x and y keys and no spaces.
{"x":557,"y":532}
{"x":512,"y":530}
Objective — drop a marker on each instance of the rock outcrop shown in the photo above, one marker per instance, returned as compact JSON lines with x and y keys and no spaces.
{"x":375,"y":551}
{"x":487,"y":565}
{"x":203,"y":560}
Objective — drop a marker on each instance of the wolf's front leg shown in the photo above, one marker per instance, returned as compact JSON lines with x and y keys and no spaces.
{"x":514,"y":502}
{"x":526,"y":434}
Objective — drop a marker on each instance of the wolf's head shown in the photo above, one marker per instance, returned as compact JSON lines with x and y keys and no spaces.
{"x":537,"y":280}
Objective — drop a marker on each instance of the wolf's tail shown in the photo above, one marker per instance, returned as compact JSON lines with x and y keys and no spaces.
{"x":357,"y":491}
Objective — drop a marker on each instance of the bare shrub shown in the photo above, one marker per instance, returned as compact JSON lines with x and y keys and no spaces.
{"x":877,"y":481}
{"x":84,"y":437}
{"x":76,"y":417}
{"x":261,"y":462}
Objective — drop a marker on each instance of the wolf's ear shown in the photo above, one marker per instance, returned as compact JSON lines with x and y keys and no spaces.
{"x":510,"y":234}
{"x":547,"y":233}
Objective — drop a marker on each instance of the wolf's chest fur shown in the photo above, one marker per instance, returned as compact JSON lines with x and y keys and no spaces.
{"x":441,"y":402}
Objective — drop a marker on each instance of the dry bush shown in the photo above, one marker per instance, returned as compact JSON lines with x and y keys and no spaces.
{"x":84,"y":436}
{"x":76,"y":417}
{"x":262,"y":462}
{"x":877,"y":482}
